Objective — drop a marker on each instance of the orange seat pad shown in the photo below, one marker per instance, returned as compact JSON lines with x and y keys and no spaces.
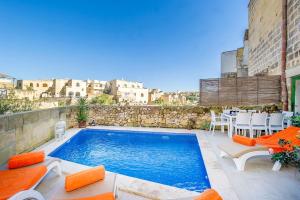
{"x":84,"y":178}
{"x":209,"y":194}
{"x":15,"y":180}
{"x":106,"y":196}
{"x":26,"y":159}
{"x":244,"y":140}
{"x":289,"y":134}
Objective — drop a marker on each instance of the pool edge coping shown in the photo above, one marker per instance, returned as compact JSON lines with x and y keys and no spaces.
{"x":217,"y":177}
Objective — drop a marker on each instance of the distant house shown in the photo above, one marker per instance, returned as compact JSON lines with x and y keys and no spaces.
{"x":129,"y":92}
{"x":6,"y":82}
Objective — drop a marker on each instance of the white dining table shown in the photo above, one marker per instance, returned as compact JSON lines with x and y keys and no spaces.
{"x":230,"y":127}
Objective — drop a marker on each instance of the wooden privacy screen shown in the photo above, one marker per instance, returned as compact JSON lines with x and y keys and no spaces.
{"x":255,"y":90}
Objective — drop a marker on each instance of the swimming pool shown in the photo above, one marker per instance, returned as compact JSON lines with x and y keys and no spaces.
{"x":167,"y":158}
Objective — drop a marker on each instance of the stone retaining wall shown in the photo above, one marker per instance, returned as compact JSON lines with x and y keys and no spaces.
{"x":22,"y":132}
{"x":149,"y":116}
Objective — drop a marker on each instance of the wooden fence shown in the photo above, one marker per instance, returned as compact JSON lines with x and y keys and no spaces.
{"x":256,"y":90}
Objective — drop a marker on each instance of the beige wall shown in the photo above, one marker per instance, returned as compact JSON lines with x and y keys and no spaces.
{"x":40,"y":86}
{"x":22,"y":132}
{"x":95,"y":87}
{"x":265,"y":36}
{"x":59,"y":87}
{"x":127,"y":91}
{"x":76,"y":88}
{"x":293,"y":36}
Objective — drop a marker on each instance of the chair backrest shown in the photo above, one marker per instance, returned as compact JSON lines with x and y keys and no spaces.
{"x":276,"y":119}
{"x":259,"y":119}
{"x":226,"y":111}
{"x":213,"y":116}
{"x":60,"y":125}
{"x":243,"y":118}
{"x":252,"y":111}
{"x":287,"y":114}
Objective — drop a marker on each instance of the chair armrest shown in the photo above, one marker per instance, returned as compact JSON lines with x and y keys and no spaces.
{"x":27,"y":194}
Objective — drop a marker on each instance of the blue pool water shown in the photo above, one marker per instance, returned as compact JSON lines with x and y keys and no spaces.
{"x":171,"y":159}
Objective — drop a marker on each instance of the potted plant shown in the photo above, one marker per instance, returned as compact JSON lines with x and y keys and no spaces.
{"x":82,"y":114}
{"x":191,"y":124}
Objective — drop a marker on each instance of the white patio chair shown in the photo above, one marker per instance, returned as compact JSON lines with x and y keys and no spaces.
{"x":217,"y":121}
{"x":259,"y":123}
{"x":227,"y":111}
{"x":251,"y":111}
{"x":287,"y":118}
{"x":243,"y":122}
{"x":60,"y":130}
{"x":275,"y":122}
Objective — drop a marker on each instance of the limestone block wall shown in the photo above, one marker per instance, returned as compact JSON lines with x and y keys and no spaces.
{"x":22,"y":132}
{"x":293,"y":36}
{"x":149,"y":116}
{"x":265,"y":19}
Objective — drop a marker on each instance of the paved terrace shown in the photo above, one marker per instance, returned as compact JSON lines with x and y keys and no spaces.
{"x":258,"y":181}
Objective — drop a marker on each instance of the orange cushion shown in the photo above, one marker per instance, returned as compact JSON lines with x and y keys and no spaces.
{"x":15,"y":180}
{"x":26,"y":159}
{"x":83,"y":178}
{"x":243,"y":140}
{"x":210,"y":194}
{"x":106,"y":196}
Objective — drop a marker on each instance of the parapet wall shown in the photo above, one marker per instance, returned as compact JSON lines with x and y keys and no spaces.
{"x":22,"y":132}
{"x":149,"y":116}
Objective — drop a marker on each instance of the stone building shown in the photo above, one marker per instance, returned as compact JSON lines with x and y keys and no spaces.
{"x":6,"y":82}
{"x":69,"y":88}
{"x":242,"y":57}
{"x":235,"y":63}
{"x":175,"y":98}
{"x":42,"y":88}
{"x":265,"y":43}
{"x":228,"y":64}
{"x":265,"y":21}
{"x":129,"y":92}
{"x":76,"y":88}
{"x":96,"y":87}
{"x":154,"y":94}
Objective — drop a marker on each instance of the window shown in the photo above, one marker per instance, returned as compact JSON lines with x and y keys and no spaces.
{"x":31,"y":84}
{"x":77,"y":94}
{"x":133,"y":86}
{"x":71,"y":94}
{"x":125,"y":85}
{"x":78,"y":84}
{"x":142,"y":95}
{"x":100,"y":85}
{"x":45,"y":85}
{"x":37,"y":85}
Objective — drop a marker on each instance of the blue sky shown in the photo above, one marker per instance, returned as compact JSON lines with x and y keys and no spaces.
{"x":167,"y":44}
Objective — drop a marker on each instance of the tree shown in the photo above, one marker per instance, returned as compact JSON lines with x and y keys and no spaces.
{"x":103,"y":99}
{"x":159,"y":101}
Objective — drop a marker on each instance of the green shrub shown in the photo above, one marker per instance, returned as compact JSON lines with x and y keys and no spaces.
{"x":103,"y":99}
{"x":82,"y":113}
{"x":290,"y":156}
{"x":16,"y":105}
{"x":296,"y":120}
{"x":205,"y":125}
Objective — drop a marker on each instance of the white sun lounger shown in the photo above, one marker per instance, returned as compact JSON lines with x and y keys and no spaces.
{"x":240,"y":154}
{"x":52,"y":164}
{"x":53,"y":187}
